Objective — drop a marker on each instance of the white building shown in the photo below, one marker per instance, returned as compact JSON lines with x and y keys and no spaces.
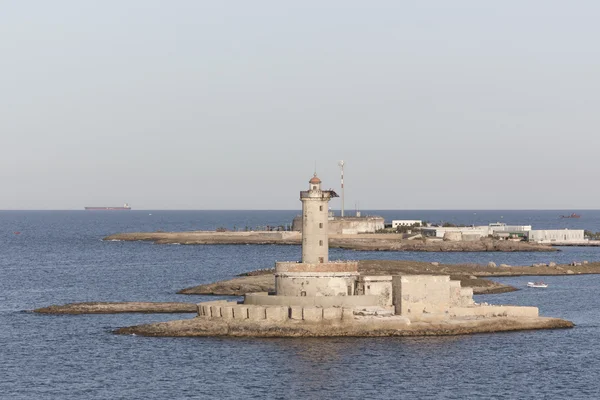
{"x":405,"y":222}
{"x":501,"y":227}
{"x":557,"y":236}
{"x":440,"y":231}
{"x":474,"y":232}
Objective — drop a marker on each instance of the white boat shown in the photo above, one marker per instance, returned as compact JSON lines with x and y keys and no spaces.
{"x":537,"y":284}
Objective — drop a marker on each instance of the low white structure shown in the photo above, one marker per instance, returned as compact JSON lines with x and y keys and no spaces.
{"x":474,"y":232}
{"x":470,"y":231}
{"x":557,"y":236}
{"x":405,"y":222}
{"x":501,"y":227}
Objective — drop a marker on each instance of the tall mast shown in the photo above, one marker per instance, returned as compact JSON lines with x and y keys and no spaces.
{"x":341,"y":164}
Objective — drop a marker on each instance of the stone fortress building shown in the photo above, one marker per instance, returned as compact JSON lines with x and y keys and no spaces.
{"x":317,"y":290}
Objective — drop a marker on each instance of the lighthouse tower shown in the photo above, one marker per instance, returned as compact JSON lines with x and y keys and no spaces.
{"x":315,"y":275}
{"x":315,"y":247}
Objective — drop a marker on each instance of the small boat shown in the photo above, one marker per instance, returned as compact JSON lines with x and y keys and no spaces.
{"x":537,"y":284}
{"x":571,"y":216}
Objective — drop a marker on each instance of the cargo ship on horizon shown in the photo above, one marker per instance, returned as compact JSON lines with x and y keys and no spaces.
{"x":125,"y":207}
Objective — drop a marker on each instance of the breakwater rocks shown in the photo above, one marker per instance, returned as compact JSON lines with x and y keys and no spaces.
{"x":119,"y":307}
{"x":367,"y":242}
{"x":368,"y":327}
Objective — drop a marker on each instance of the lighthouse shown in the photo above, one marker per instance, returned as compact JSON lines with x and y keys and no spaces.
{"x":315,"y":246}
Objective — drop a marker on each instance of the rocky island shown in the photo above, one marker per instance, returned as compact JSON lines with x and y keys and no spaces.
{"x":366,"y":242}
{"x":319,"y":297}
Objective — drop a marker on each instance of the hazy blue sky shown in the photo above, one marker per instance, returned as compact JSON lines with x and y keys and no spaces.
{"x":229,"y":104}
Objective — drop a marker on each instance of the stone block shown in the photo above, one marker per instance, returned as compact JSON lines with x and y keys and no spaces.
{"x":215,"y":311}
{"x":296,"y":312}
{"x":312,"y":314}
{"x":240,"y":312}
{"x":227,"y":312}
{"x":204,"y":307}
{"x":332,"y":313}
{"x":277,"y":313}
{"x":347,"y":313}
{"x":206,"y":310}
{"x":466,"y":296}
{"x":256,"y":313}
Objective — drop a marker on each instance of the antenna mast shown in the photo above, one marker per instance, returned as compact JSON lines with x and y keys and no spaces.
{"x":341,"y":164}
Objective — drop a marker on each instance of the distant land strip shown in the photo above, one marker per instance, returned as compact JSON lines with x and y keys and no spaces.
{"x":366,"y":241}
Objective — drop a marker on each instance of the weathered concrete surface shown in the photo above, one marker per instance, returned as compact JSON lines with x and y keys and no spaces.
{"x":368,"y":242}
{"x":119,"y":307}
{"x":368,"y":327}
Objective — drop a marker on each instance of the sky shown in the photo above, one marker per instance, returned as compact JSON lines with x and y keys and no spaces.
{"x":231,"y":104}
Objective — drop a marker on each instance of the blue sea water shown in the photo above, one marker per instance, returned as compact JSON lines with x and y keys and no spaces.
{"x":59,"y":257}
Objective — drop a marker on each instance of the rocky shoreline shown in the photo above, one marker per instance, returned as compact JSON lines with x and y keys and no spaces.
{"x":367,"y":328}
{"x":119,"y":307}
{"x":364,"y":242}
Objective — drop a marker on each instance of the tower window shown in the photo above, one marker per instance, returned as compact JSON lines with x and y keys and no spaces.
{"x":321,"y":225}
{"x":320,"y":243}
{"x":314,"y":188}
{"x":320,"y":208}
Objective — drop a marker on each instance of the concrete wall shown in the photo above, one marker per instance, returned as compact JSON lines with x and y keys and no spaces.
{"x":290,"y":266}
{"x":380,"y":286}
{"x":455,"y":298}
{"x":337,"y":225}
{"x":308,"y":284}
{"x":273,"y":313}
{"x":414,"y":295}
{"x":320,"y":301}
{"x":460,"y":296}
{"x":273,"y":235}
{"x":369,"y":224}
{"x":558,"y":235}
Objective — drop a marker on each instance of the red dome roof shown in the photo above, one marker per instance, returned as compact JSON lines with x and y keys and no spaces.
{"x":315,"y":180}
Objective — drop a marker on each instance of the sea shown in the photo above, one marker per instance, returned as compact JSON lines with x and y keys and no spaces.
{"x":58,"y":257}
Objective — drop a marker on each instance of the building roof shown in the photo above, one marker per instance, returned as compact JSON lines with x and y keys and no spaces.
{"x":315,"y":179}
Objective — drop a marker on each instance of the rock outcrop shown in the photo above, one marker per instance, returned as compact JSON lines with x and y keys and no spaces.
{"x":368,"y":328}
{"x":119,"y":307}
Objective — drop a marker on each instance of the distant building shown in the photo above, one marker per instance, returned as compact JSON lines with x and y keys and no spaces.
{"x":405,"y":222}
{"x":557,"y":236}
{"x":347,"y":225}
{"x":470,"y":232}
{"x":477,"y":232}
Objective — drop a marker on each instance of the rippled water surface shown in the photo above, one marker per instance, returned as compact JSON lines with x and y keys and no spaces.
{"x":59,"y":258}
